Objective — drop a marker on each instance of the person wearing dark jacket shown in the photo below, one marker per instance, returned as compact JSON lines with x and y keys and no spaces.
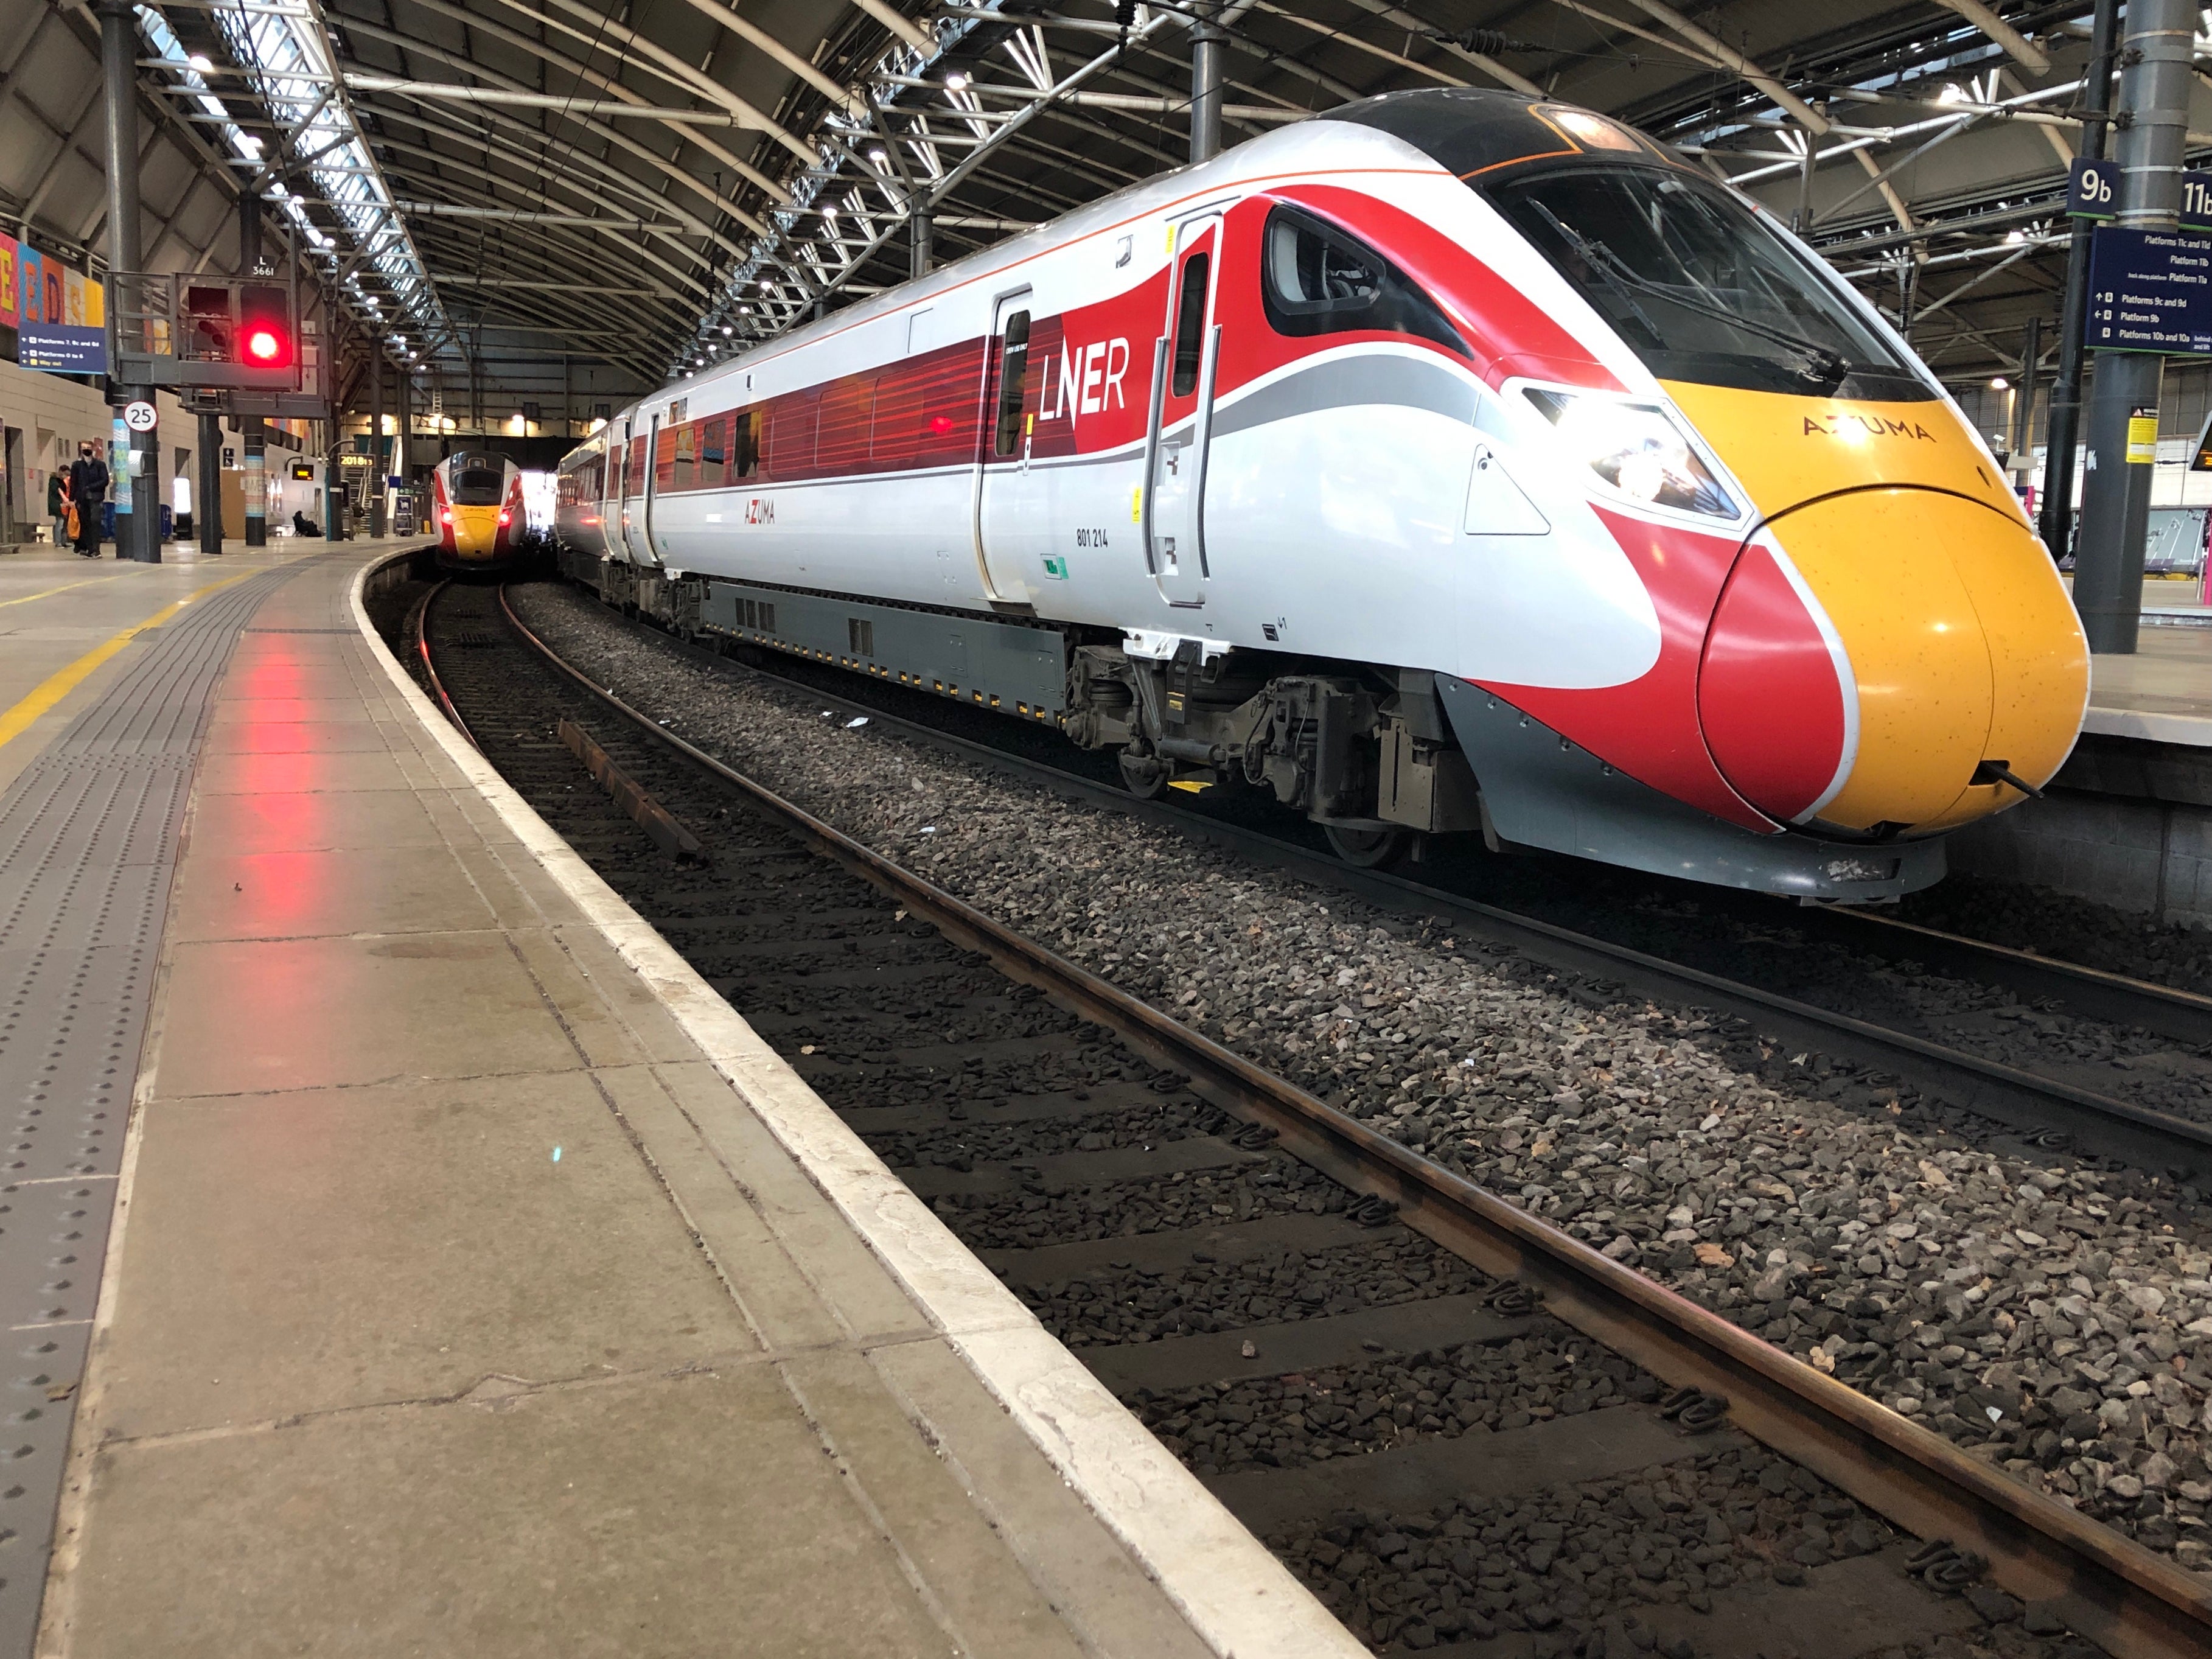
{"x":57,"y":502}
{"x":88,"y":489}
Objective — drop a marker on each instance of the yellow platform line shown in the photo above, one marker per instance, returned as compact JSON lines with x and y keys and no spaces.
{"x":56,"y":686}
{"x":48,"y":593}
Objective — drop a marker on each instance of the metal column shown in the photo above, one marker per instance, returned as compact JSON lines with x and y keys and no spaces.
{"x":2021,"y":441}
{"x":2055,"y":514}
{"x":253,"y":435}
{"x":403,"y":468}
{"x":920,"y":229}
{"x":135,"y":470}
{"x":2157,"y":42}
{"x":208,"y":497}
{"x":1208,"y":41}
{"x":376,"y":462}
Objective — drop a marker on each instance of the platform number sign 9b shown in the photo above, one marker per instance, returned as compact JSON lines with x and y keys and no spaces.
{"x":2093,"y":189}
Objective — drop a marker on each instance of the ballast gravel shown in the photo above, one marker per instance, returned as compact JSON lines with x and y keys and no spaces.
{"x":2053,"y":1317}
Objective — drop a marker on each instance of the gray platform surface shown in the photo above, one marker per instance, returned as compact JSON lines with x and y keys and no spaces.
{"x":89,"y":841}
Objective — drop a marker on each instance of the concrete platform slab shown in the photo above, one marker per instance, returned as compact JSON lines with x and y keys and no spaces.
{"x":583,"y":1521}
{"x":328,"y":1013}
{"x":342,"y":1247}
{"x":294,"y":893}
{"x":244,"y":824}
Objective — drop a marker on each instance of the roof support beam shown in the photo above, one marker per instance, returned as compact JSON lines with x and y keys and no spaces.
{"x":2017,"y":48}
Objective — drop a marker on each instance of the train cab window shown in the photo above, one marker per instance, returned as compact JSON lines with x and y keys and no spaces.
{"x":1702,"y":287}
{"x":1013,"y":383}
{"x":1316,"y":279}
{"x":1190,"y":324}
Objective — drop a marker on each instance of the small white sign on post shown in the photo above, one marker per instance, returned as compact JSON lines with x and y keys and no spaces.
{"x":139,"y":416}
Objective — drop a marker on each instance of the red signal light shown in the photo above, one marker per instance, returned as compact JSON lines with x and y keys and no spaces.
{"x":265,"y":328}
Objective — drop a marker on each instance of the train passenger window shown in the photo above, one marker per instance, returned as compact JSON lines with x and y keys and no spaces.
{"x":744,"y":445}
{"x":848,"y":411}
{"x":1317,"y":279}
{"x":1190,"y":324}
{"x":1013,"y":383}
{"x":685,"y":472}
{"x":791,"y":435}
{"x":713,"y":450}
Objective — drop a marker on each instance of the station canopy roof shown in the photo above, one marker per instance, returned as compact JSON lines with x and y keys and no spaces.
{"x":637,"y":188}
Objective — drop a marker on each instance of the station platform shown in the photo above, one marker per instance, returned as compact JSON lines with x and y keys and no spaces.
{"x":2162,"y":693}
{"x":459,"y":1274}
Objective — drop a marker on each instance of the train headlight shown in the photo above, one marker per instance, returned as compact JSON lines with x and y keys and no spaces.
{"x":1638,"y":450}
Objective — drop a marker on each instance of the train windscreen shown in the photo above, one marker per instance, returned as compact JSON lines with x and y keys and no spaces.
{"x":479,"y":486}
{"x":1701,"y":288}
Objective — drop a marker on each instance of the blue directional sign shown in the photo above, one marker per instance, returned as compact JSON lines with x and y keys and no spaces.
{"x":2150,"y":290}
{"x":58,"y":349}
{"x":2093,"y":189}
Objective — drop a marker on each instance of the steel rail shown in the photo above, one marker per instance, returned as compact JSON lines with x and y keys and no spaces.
{"x":419,"y":621}
{"x":2185,"y":1015}
{"x":2012,"y":1095}
{"x":2135,"y":1604}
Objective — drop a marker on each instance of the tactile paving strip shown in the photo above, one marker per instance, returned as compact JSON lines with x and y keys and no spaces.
{"x":88,"y":846}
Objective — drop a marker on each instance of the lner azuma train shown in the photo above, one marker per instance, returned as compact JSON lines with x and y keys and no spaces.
{"x":1455,"y":462}
{"x":476,"y":506}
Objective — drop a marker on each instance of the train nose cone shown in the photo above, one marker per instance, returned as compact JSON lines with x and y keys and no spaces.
{"x":1949,"y":642}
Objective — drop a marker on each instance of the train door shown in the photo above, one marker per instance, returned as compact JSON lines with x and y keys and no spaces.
{"x":640,"y":474}
{"x":1003,"y":454}
{"x":1181,"y":422}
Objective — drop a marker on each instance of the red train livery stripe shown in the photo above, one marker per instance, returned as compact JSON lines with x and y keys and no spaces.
{"x":1769,"y":695}
{"x":1649,"y":728}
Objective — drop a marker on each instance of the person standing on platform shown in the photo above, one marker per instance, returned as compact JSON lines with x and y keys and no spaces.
{"x":58,"y":503}
{"x":88,"y":489}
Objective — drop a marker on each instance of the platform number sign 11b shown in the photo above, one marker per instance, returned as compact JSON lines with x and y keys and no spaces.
{"x":2197,"y":201}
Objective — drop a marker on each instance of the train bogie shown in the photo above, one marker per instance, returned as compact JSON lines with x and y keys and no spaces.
{"x":1458,"y":463}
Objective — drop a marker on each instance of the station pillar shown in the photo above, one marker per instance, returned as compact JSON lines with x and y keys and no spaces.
{"x":2157,"y":41}
{"x":1209,"y":42}
{"x":376,"y":462}
{"x":252,"y":435}
{"x":207,"y":497}
{"x":136,"y":476}
{"x":2062,"y":437}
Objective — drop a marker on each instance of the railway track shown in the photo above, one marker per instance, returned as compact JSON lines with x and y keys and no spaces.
{"x":2043,"y":1112}
{"x":1469,"y":1432}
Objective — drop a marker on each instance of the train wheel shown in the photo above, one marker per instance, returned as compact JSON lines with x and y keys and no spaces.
{"x":1144,"y":776}
{"x":1365,"y":849}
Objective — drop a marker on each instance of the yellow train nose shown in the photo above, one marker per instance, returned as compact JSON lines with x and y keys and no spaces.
{"x":1962,"y":643}
{"x":475,"y":532}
